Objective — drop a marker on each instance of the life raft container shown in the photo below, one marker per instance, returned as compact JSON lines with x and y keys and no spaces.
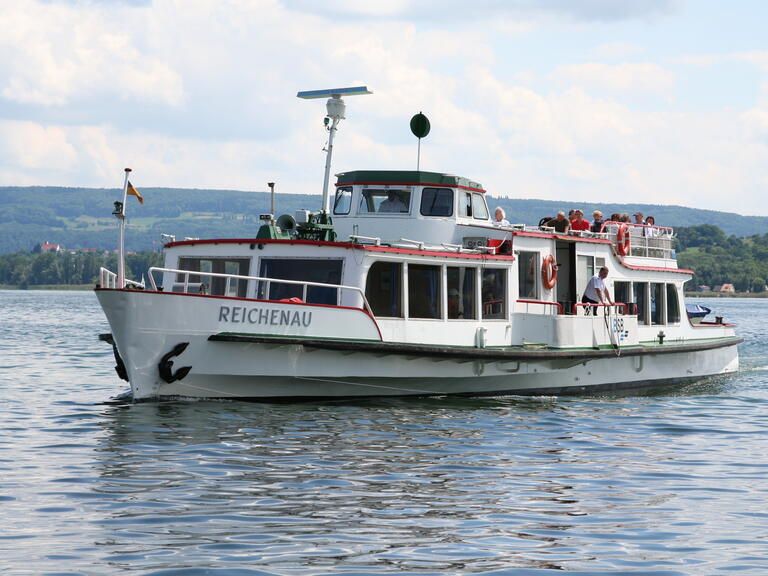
{"x":623,"y":242}
{"x":549,"y":272}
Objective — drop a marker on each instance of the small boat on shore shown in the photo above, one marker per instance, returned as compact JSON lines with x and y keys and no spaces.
{"x":402,"y":285}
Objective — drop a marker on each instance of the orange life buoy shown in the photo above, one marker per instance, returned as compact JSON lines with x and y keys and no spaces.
{"x":549,"y":272}
{"x":623,"y":242}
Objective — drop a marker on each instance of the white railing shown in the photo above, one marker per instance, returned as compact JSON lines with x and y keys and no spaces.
{"x":645,"y":240}
{"x":263,"y":286}
{"x":108,"y":279}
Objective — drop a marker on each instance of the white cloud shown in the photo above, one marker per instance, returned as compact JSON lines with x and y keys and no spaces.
{"x":459,"y":10}
{"x":54,"y":54}
{"x":624,"y":77}
{"x":202,"y":93}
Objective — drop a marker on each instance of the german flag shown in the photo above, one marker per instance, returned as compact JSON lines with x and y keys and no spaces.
{"x":133,"y":192}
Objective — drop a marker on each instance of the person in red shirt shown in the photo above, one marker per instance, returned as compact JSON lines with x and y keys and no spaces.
{"x":578,"y":223}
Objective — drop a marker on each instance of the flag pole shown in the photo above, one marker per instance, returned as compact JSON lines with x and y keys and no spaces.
{"x":121,"y":247}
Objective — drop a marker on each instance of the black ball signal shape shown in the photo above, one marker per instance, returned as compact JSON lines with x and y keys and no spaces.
{"x":420,"y":125}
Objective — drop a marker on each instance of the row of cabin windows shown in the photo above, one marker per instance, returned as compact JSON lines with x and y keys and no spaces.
{"x":425,"y":288}
{"x":292,"y":269}
{"x":656,"y":303}
{"x":436,"y":202}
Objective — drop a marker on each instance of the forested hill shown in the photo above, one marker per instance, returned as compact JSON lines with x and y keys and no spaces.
{"x":81,"y":217}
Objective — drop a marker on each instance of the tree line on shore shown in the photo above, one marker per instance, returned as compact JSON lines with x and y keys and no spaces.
{"x":30,"y":269}
{"x":718,"y":259}
{"x":715,"y":257}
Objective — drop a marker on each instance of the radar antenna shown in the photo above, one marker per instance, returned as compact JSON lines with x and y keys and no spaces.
{"x":335,"y":109}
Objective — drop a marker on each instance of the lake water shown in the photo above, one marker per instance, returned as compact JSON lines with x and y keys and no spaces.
{"x":668,"y":483}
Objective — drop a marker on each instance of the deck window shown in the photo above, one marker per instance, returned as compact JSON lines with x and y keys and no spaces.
{"x":673,"y":305}
{"x":527,"y":277}
{"x":424,"y":294}
{"x":622,"y":294}
{"x":437,"y":202}
{"x":462,"y":293}
{"x":494,"y":294}
{"x":212,"y":285}
{"x":343,"y":201}
{"x":641,"y":300}
{"x":385,"y":201}
{"x":383,"y":289}
{"x":301,"y":270}
{"x":657,"y":303}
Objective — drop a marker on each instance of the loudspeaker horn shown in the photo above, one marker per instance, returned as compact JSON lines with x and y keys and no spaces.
{"x":286,"y":222}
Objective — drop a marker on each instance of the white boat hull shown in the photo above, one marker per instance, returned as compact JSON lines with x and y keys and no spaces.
{"x":283,"y":365}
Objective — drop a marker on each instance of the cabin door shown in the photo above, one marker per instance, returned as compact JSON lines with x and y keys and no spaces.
{"x":566,"y":274}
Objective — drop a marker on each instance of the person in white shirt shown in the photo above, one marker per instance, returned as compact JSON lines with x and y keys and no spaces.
{"x":393,"y":204}
{"x":500,"y":218}
{"x":596,"y":291}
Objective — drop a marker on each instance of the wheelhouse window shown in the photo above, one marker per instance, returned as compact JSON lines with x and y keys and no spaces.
{"x":527,"y":278}
{"x":213,"y":285}
{"x":424,"y":293}
{"x":385,"y":201}
{"x":673,"y":305}
{"x":437,"y":202}
{"x":641,"y":300}
{"x":462,"y":293}
{"x":300,"y":270}
{"x":657,"y":303}
{"x":383,"y":289}
{"x":494,"y":293}
{"x":343,"y":201}
{"x":474,"y":206}
{"x":466,"y":205}
{"x":479,"y":207}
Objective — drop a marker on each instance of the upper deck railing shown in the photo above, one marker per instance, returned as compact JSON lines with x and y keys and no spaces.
{"x":648,"y":241}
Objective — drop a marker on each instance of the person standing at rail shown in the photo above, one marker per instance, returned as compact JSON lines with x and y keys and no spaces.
{"x":596,"y":292}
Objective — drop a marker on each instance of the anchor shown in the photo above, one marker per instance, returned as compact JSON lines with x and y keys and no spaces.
{"x":119,"y":364}
{"x":166,"y":364}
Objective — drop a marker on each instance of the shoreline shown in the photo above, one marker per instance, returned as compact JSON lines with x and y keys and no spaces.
{"x":726,"y":295}
{"x":47,"y":287}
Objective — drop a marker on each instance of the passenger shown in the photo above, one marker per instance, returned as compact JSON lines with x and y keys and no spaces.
{"x":393,"y":203}
{"x":596,"y":292}
{"x":638,"y":216}
{"x":650,"y":227}
{"x":578,"y":223}
{"x":624,"y":218}
{"x":615,"y":217}
{"x":500,"y":218}
{"x":597,"y":222}
{"x":560,"y":223}
{"x":454,"y":304}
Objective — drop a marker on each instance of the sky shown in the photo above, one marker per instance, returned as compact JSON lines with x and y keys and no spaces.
{"x":653,"y":101}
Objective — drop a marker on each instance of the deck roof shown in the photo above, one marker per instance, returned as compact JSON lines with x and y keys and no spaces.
{"x":406,"y":177}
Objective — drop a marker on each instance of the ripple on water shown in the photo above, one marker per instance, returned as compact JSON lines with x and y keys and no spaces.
{"x":669,"y":482}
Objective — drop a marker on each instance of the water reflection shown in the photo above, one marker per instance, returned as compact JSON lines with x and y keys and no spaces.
{"x":315,"y":486}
